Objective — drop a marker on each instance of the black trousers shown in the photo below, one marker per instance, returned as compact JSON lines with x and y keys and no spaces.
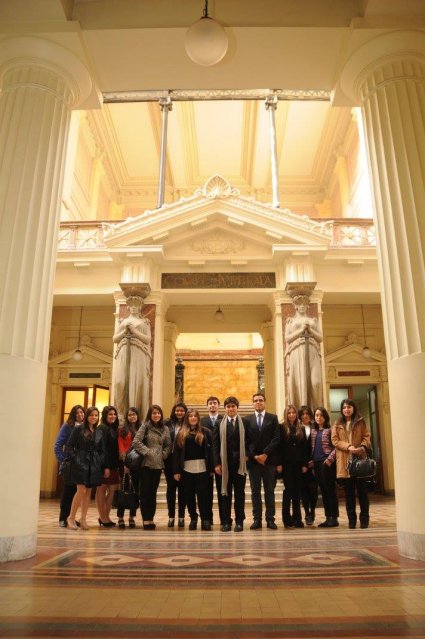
{"x":292,"y":480}
{"x":262,"y":474}
{"x":174,"y":488}
{"x":149,"y":482}
{"x":309,"y":492}
{"x":196,"y":489}
{"x":351,"y":485}
{"x":219,"y":497}
{"x":69,"y":491}
{"x":126,"y":486}
{"x":236,"y":485}
{"x":326,"y":476}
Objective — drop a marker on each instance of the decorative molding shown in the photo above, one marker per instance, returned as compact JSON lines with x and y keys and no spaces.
{"x":178,"y":95}
{"x":216,"y":187}
{"x":218,"y":245}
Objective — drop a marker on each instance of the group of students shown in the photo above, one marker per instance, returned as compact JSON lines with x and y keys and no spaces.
{"x":195,"y":453}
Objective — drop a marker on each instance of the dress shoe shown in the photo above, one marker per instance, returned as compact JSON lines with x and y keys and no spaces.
{"x":226,"y":528}
{"x":181,"y":522}
{"x":271,"y":525}
{"x":105,"y":524}
{"x":131,"y":523}
{"x":352,"y":524}
{"x":324,"y":524}
{"x":149,"y":526}
{"x":332,"y":522}
{"x":193,"y":524}
{"x":299,"y":524}
{"x":256,"y":524}
{"x":62,"y":524}
{"x":206,"y":525}
{"x":364,"y":524}
{"x":289,"y":525}
{"x":238,"y":528}
{"x":309,"y":520}
{"x":171,"y":522}
{"x":121,"y":524}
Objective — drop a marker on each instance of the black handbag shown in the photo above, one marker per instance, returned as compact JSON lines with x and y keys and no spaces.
{"x":361,"y":467}
{"x":126,"y":499}
{"x":133,"y":459}
{"x":65,"y":470}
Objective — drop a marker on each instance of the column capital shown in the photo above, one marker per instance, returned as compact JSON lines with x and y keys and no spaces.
{"x":32,"y":52}
{"x":398,"y":55}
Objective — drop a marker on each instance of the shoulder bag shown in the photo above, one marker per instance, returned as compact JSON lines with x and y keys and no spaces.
{"x":362,"y":467}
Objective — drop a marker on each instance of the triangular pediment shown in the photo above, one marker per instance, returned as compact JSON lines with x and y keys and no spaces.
{"x":91,"y":357}
{"x":352,"y":354}
{"x":218,"y":209}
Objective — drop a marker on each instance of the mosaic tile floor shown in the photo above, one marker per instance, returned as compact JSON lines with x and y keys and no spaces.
{"x":179,"y":583}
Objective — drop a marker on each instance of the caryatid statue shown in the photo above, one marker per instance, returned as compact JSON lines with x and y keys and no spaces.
{"x":132,"y":363}
{"x":303,"y":367}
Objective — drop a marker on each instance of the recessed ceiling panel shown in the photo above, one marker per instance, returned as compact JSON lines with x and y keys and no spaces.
{"x":219,"y":137}
{"x":304,"y":126}
{"x":135,"y":136}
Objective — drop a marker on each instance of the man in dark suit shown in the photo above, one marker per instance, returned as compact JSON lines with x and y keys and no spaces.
{"x":262,"y":441}
{"x":209,"y":421}
{"x":229,"y":454}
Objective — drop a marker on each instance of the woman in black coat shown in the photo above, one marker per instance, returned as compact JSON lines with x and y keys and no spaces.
{"x":86,"y":449}
{"x":174,"y":424}
{"x":192,"y":463}
{"x":294,"y":461}
{"x":111,"y":478}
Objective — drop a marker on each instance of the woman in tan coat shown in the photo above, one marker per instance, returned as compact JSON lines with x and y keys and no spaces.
{"x":351,"y":437}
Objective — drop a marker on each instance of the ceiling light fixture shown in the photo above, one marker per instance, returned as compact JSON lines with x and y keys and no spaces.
{"x":219,"y":315}
{"x":206,"y":41}
{"x":78,"y":355}
{"x":366,"y":350}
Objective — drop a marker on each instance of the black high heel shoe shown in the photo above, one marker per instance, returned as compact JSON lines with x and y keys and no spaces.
{"x":105,"y":524}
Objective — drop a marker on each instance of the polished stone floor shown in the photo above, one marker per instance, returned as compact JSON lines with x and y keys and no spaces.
{"x":178,"y":583}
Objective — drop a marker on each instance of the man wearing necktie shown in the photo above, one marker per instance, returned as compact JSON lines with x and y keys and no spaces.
{"x":262,"y":441}
{"x":210,"y":421}
{"x":229,"y":455}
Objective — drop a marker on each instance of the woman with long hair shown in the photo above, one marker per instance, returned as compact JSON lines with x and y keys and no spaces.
{"x":152,"y":440}
{"x":323,"y":460}
{"x":87,"y":450}
{"x":111,"y":478}
{"x":309,"y":489}
{"x":75,"y":418}
{"x":351,"y":438}
{"x":126,"y":433}
{"x":174,"y":424}
{"x":192,"y":462}
{"x":294,"y":462}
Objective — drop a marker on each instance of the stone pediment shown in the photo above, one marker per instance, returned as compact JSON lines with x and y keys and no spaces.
{"x":352,"y":355}
{"x":91,"y":357}
{"x":215,"y":209}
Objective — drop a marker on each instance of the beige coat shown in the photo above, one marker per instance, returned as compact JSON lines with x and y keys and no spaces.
{"x":360,"y":436}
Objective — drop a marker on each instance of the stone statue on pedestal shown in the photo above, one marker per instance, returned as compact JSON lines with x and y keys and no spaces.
{"x":303,"y":367}
{"x":132,"y":362}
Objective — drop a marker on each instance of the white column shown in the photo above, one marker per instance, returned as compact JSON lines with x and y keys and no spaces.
{"x":161,"y":306}
{"x":279,"y":362}
{"x":170,"y":338}
{"x":267,"y":333}
{"x":39,"y":86}
{"x":387,"y":77}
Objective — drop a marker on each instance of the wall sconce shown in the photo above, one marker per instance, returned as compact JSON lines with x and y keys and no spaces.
{"x":78,"y":355}
{"x":206,"y":41}
{"x":219,"y":315}
{"x":366,"y":350}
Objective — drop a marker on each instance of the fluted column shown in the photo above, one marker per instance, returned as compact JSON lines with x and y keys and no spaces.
{"x":387,"y":77}
{"x":39,"y":86}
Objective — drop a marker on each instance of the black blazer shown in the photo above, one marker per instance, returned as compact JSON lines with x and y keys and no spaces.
{"x":267,"y":441}
{"x":207,"y":423}
{"x":178,"y":456}
{"x":233,"y":444}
